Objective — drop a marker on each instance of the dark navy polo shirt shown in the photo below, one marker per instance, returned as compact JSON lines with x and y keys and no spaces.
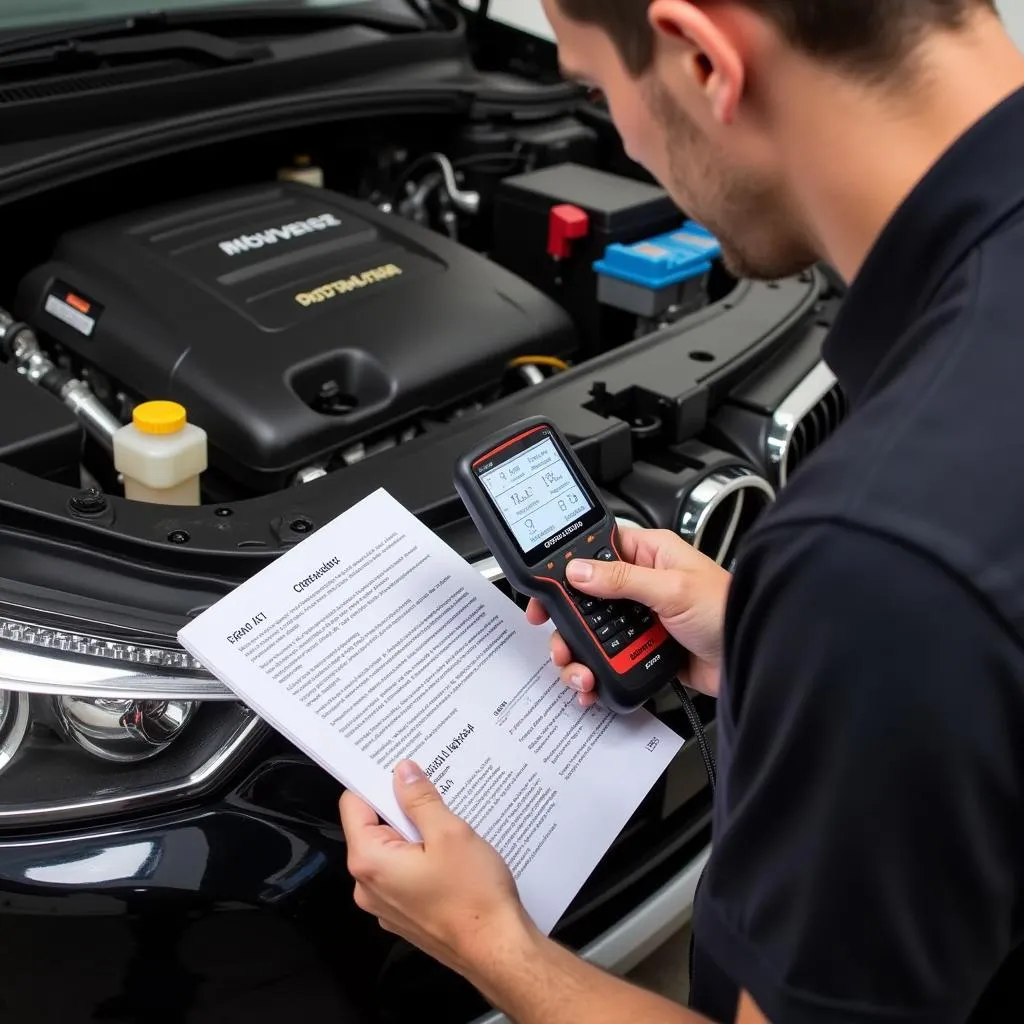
{"x":868,"y":859}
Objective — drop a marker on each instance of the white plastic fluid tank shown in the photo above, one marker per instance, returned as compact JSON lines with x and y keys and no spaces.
{"x":160,"y":454}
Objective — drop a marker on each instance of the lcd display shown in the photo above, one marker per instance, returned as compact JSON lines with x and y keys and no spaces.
{"x":536,"y":494}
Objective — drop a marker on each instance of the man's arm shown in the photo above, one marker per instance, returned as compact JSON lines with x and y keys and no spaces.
{"x":540,"y":982}
{"x":453,"y":897}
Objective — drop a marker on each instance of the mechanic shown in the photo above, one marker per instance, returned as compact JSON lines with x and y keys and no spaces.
{"x":868,"y":653}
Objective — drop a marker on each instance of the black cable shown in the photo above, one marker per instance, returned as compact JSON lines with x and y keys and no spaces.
{"x":698,"y":731}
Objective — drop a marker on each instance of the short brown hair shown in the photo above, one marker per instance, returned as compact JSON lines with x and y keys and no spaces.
{"x":870,"y":36}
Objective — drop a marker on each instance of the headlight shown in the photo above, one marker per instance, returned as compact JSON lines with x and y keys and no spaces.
{"x":93,"y":726}
{"x":123,"y":728}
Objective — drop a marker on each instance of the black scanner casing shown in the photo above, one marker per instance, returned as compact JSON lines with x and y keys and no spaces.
{"x":644,"y":668}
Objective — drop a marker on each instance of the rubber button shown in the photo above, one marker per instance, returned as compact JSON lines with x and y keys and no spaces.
{"x":616,"y":644}
{"x":605,"y":555}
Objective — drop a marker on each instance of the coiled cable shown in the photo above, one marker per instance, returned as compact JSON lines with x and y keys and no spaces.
{"x":710,"y":767}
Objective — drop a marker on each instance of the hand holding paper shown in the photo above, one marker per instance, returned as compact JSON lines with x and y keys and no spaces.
{"x":372,"y":641}
{"x":446,"y":895}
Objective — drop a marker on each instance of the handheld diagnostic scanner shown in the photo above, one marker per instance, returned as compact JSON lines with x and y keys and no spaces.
{"x":537,"y":509}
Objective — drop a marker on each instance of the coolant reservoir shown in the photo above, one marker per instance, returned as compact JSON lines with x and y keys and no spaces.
{"x":304,"y":171}
{"x":160,"y":454}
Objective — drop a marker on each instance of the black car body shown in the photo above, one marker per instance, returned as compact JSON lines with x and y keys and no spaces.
{"x":163,"y":855}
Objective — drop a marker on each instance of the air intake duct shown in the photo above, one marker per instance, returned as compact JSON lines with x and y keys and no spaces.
{"x":709,"y":497}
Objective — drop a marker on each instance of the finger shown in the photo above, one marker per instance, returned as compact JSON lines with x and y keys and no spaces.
{"x":356,"y":815}
{"x":560,"y":653}
{"x":663,"y":590}
{"x":660,"y":549}
{"x":536,"y":614}
{"x":629,"y":541}
{"x":364,"y":833}
{"x":578,"y":677}
{"x":420,"y":800}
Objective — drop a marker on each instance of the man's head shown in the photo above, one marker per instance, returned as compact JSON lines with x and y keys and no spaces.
{"x":690,"y":86}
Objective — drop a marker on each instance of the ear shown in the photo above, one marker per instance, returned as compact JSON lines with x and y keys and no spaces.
{"x":709,"y":47}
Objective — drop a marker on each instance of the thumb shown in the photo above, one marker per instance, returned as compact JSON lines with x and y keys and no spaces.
{"x":419,"y":799}
{"x":658,"y":589}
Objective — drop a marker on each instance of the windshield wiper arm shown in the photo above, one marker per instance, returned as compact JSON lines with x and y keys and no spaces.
{"x":25,"y":41}
{"x":136,"y":39}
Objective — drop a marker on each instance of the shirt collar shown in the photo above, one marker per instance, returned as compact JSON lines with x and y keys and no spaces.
{"x":967,"y":193}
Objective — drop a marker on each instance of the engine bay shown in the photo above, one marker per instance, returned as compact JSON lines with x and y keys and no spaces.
{"x":339,"y":308}
{"x":289,"y":321}
{"x":304,"y":329}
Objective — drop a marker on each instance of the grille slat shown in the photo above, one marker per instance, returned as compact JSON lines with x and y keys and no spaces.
{"x":815,"y":428}
{"x":804,"y":420}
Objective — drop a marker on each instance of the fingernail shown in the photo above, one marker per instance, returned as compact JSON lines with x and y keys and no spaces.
{"x":576,"y":682}
{"x":408,"y":772}
{"x":579,"y":572}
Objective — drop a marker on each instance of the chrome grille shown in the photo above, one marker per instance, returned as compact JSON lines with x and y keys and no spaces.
{"x":804,"y":420}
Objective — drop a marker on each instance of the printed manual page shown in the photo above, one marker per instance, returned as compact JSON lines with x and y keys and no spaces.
{"x":372,"y":641}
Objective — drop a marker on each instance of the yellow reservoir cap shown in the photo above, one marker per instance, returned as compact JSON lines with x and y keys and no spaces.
{"x":159,"y":417}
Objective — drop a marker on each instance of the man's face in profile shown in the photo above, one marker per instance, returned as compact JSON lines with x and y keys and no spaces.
{"x":721,"y":176}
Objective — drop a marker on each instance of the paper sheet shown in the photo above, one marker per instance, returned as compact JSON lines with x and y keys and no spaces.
{"x":372,"y":641}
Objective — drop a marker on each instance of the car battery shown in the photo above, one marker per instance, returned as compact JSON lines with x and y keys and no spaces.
{"x":38,"y":433}
{"x":551,"y":225}
{"x":659,"y":275}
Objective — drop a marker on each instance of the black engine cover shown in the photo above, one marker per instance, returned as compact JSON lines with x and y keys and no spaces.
{"x":246,"y":306}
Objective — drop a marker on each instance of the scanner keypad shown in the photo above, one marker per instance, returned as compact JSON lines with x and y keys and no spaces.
{"x":616,"y":624}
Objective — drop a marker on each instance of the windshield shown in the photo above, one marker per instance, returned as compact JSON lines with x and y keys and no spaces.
{"x":17,"y":14}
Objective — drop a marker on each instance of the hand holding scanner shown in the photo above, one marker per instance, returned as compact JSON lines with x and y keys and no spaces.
{"x":537,"y":509}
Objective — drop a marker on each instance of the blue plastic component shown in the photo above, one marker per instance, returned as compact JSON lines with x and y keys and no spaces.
{"x":663,"y":260}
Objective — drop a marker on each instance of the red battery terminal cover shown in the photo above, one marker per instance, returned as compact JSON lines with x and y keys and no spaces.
{"x":565,"y":224}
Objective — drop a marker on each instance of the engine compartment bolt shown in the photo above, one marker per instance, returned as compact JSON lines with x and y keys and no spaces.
{"x":178,"y":537}
{"x":224,"y":511}
{"x":300,"y":525}
{"x":90,"y":502}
